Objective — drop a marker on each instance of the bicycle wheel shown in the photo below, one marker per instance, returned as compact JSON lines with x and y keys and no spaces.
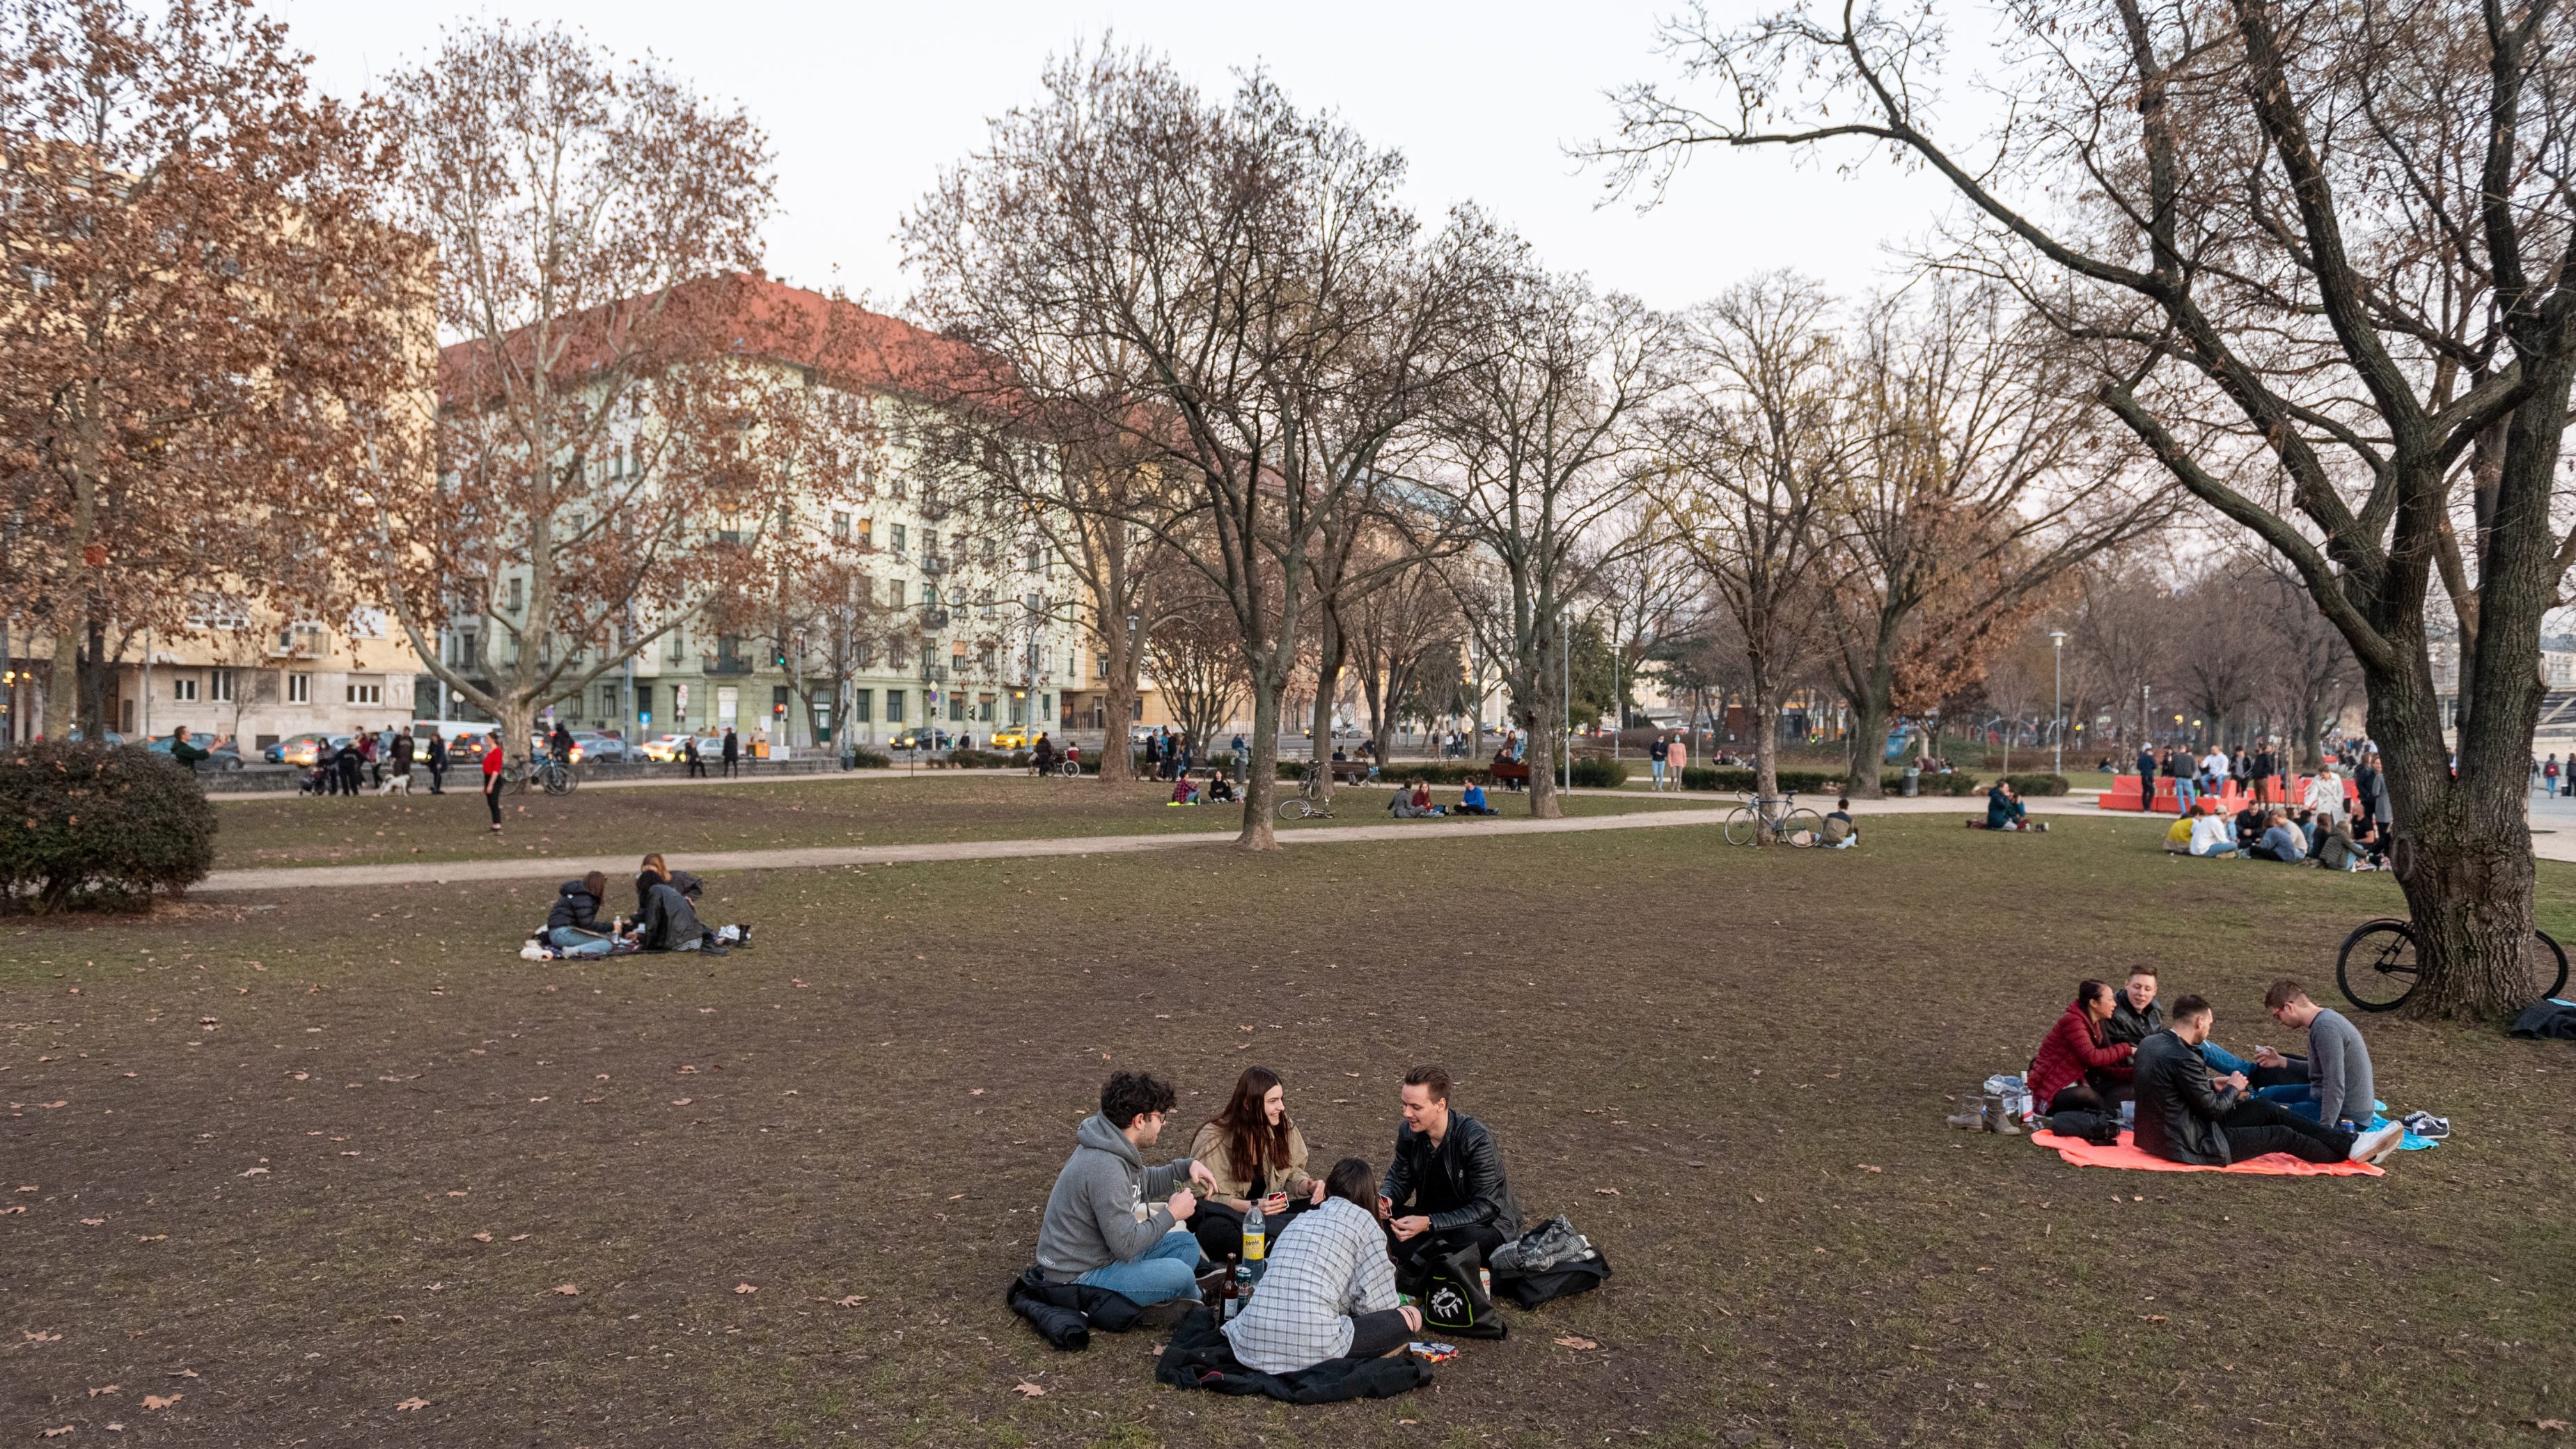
{"x":2548,"y":966}
{"x":1295,"y":807}
{"x":562,"y":780}
{"x":1800,"y":827}
{"x":2376,"y":967}
{"x":1740,"y":829}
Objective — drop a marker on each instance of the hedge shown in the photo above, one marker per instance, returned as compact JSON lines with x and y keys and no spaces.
{"x":2037,"y":784}
{"x":863,"y":758}
{"x":93,"y":825}
{"x":1599,"y":774}
{"x":1820,"y":782}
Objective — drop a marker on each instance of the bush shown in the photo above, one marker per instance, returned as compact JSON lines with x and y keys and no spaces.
{"x":987,"y":760}
{"x":2037,"y":784}
{"x":863,"y":758}
{"x":89,"y":825}
{"x":1740,"y":780}
{"x":1957,"y":783}
{"x":1598,"y":774}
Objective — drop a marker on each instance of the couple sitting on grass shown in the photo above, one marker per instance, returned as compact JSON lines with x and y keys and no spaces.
{"x":1330,"y":1291}
{"x":1219,"y":790}
{"x":666,"y":917}
{"x":2198,"y":1103}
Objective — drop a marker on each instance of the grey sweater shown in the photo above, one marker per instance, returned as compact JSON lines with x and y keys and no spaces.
{"x":1091,"y":1217}
{"x":2339,"y":1068}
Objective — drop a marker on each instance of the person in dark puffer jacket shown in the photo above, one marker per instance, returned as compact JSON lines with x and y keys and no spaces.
{"x":2078,"y":1067}
{"x":573,"y":926}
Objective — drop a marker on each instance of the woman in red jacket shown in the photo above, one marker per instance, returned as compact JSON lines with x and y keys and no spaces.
{"x":2077,"y":1069}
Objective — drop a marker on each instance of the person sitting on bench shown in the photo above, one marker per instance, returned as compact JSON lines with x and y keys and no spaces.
{"x":1329,"y":1292}
{"x":1251,"y":1151}
{"x":2078,"y":1067}
{"x":1473,"y":801}
{"x":1840,"y":832}
{"x":2004,"y":810}
{"x":2339,"y":1088}
{"x":572,"y":926}
{"x":1445,"y":1189}
{"x":2185,"y":1115}
{"x":1102,"y":1225}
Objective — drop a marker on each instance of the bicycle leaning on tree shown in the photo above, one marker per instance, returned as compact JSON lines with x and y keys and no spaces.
{"x":2377,"y":966}
{"x":1779,"y":818}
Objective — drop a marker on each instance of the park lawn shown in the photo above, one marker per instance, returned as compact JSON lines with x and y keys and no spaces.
{"x":799,"y":811}
{"x":259,"y":1144}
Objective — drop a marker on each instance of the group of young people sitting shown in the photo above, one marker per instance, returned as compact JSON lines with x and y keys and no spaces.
{"x":1218,"y":791}
{"x":666,"y":917}
{"x":2195,"y":1101}
{"x":1337,"y":1245}
{"x":2353,"y":841}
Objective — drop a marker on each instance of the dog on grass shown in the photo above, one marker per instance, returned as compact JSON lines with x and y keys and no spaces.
{"x":395,"y":785}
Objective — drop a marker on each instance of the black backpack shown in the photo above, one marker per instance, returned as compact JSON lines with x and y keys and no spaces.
{"x":1454,"y":1301}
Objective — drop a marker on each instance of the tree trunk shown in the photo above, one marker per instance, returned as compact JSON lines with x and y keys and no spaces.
{"x":1261,"y":776}
{"x":1871,"y":713}
{"x":1540,"y":724}
{"x":1328,"y":680}
{"x":2462,"y":852}
{"x":62,"y":678}
{"x":517,"y":713}
{"x":1118,"y":704}
{"x":94,"y":675}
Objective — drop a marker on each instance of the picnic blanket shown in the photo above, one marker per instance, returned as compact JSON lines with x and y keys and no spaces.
{"x":2271,"y":1164}
{"x":1201,"y":1357}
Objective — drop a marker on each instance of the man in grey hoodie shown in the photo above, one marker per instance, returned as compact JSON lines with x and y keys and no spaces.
{"x":2338,"y":1060}
{"x":1103,"y":1226}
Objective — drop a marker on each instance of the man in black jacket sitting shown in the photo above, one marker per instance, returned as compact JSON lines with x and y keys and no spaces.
{"x":2187,"y":1115}
{"x":1445,"y":1190}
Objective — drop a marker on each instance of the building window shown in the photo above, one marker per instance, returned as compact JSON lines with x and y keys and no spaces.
{"x":364,"y":691}
{"x":867,"y":531}
{"x":984,"y":659}
{"x":518,"y":596}
{"x":930,"y":596}
{"x":957,"y":661}
{"x":956,"y":707}
{"x":608,"y":701}
{"x":184,"y":688}
{"x":840,"y":527}
{"x":992,"y":552}
{"x":894,"y":706}
{"x":299,"y":689}
{"x":865,"y":655}
{"x":895,"y":533}
{"x":986,"y":600}
{"x":984,"y":708}
{"x":224,"y":685}
{"x":863,"y":706}
{"x":898,"y":656}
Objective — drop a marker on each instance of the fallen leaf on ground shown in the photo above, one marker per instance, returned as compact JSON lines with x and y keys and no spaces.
{"x":1569,"y":1340}
{"x":744,"y":1288}
{"x":253,"y":1171}
{"x":853,"y":1301}
{"x":184,"y":1374}
{"x":1032,"y":1390}
{"x":161,"y":1401}
{"x":2550,"y":1426}
{"x":1867,"y":1167}
{"x":154,"y":1238}
{"x":57,"y":1433}
{"x":407,"y":1405}
{"x":519,"y":1237}
{"x":38,"y":1335}
{"x":482,"y":1237}
{"x":92,"y":1222}
{"x":679,"y":1101}
{"x":111,"y":1388}
{"x":567,"y":1290}
{"x":1607,"y":1191}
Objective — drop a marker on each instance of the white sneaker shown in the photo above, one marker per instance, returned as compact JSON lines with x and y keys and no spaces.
{"x":2372,"y":1146}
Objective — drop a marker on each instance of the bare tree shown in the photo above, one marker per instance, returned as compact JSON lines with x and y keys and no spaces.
{"x":1197,"y":664}
{"x":1981,"y":485}
{"x":2318,"y":253}
{"x":1540,"y":441}
{"x":1644,"y":591}
{"x":2309,"y":674}
{"x":1759,"y":449}
{"x":626,"y":422}
{"x":184,"y":229}
{"x":1405,"y":621}
{"x":1235,"y":291}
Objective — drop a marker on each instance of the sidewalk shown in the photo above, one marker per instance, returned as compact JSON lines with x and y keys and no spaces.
{"x":324,"y":877}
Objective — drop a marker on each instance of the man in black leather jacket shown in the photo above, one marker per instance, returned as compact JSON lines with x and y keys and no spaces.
{"x":1445,"y":1189}
{"x":2187,"y":1115}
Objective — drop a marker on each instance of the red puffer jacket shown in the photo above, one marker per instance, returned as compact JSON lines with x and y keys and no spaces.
{"x":2072,"y":1047}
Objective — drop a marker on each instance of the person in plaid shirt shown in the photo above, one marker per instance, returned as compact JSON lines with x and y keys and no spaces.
{"x":1330,"y":1291}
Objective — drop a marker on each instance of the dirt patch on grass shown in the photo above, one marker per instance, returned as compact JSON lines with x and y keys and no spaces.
{"x":342,"y":1154}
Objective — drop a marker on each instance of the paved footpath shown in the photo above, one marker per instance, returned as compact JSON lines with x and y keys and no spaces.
{"x":561,"y":867}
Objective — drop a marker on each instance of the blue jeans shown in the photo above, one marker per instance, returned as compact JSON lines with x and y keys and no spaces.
{"x":2222,"y":1061}
{"x":2185,"y":791}
{"x":574,"y":941}
{"x":2216,"y":847}
{"x":1167,"y":1270}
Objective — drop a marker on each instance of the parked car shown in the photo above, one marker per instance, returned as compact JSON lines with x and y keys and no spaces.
{"x":908,"y":740}
{"x":664,"y":749}
{"x":1012,"y":738}
{"x":226,"y":756}
{"x":114,"y":739}
{"x":301,"y":750}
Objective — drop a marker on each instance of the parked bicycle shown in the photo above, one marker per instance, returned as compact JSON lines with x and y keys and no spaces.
{"x":1310,"y":802}
{"x":1789,"y":822}
{"x":2376,"y":967}
{"x":547,"y":773}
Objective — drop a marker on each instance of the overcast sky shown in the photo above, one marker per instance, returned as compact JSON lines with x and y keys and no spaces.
{"x":865,"y":101}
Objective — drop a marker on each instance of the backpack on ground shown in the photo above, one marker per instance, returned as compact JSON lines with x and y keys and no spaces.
{"x":1454,"y":1300}
{"x":1549,"y":1262}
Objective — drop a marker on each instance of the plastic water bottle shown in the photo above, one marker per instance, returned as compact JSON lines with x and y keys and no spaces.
{"x":1256,"y":1241}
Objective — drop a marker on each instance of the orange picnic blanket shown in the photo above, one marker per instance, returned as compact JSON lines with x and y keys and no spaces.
{"x":2128,"y":1155}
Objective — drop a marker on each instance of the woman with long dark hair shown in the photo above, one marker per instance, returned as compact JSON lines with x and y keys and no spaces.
{"x":1255,"y":1154}
{"x":1330,"y":1292}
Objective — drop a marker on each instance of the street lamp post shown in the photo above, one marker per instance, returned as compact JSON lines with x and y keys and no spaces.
{"x":2057,"y":695}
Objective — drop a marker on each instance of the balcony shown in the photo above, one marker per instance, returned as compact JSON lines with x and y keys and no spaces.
{"x":933,"y":620}
{"x":933,"y":673}
{"x":728,"y":664}
{"x":933,"y":564}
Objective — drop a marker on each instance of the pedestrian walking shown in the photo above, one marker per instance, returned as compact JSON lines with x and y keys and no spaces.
{"x":492,"y":778}
{"x":437,"y":763}
{"x":353,"y":764}
{"x":732,"y":751}
{"x":401,"y":751}
{"x":2549,"y":777}
{"x":1656,"y":754}
{"x":1676,"y":758}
